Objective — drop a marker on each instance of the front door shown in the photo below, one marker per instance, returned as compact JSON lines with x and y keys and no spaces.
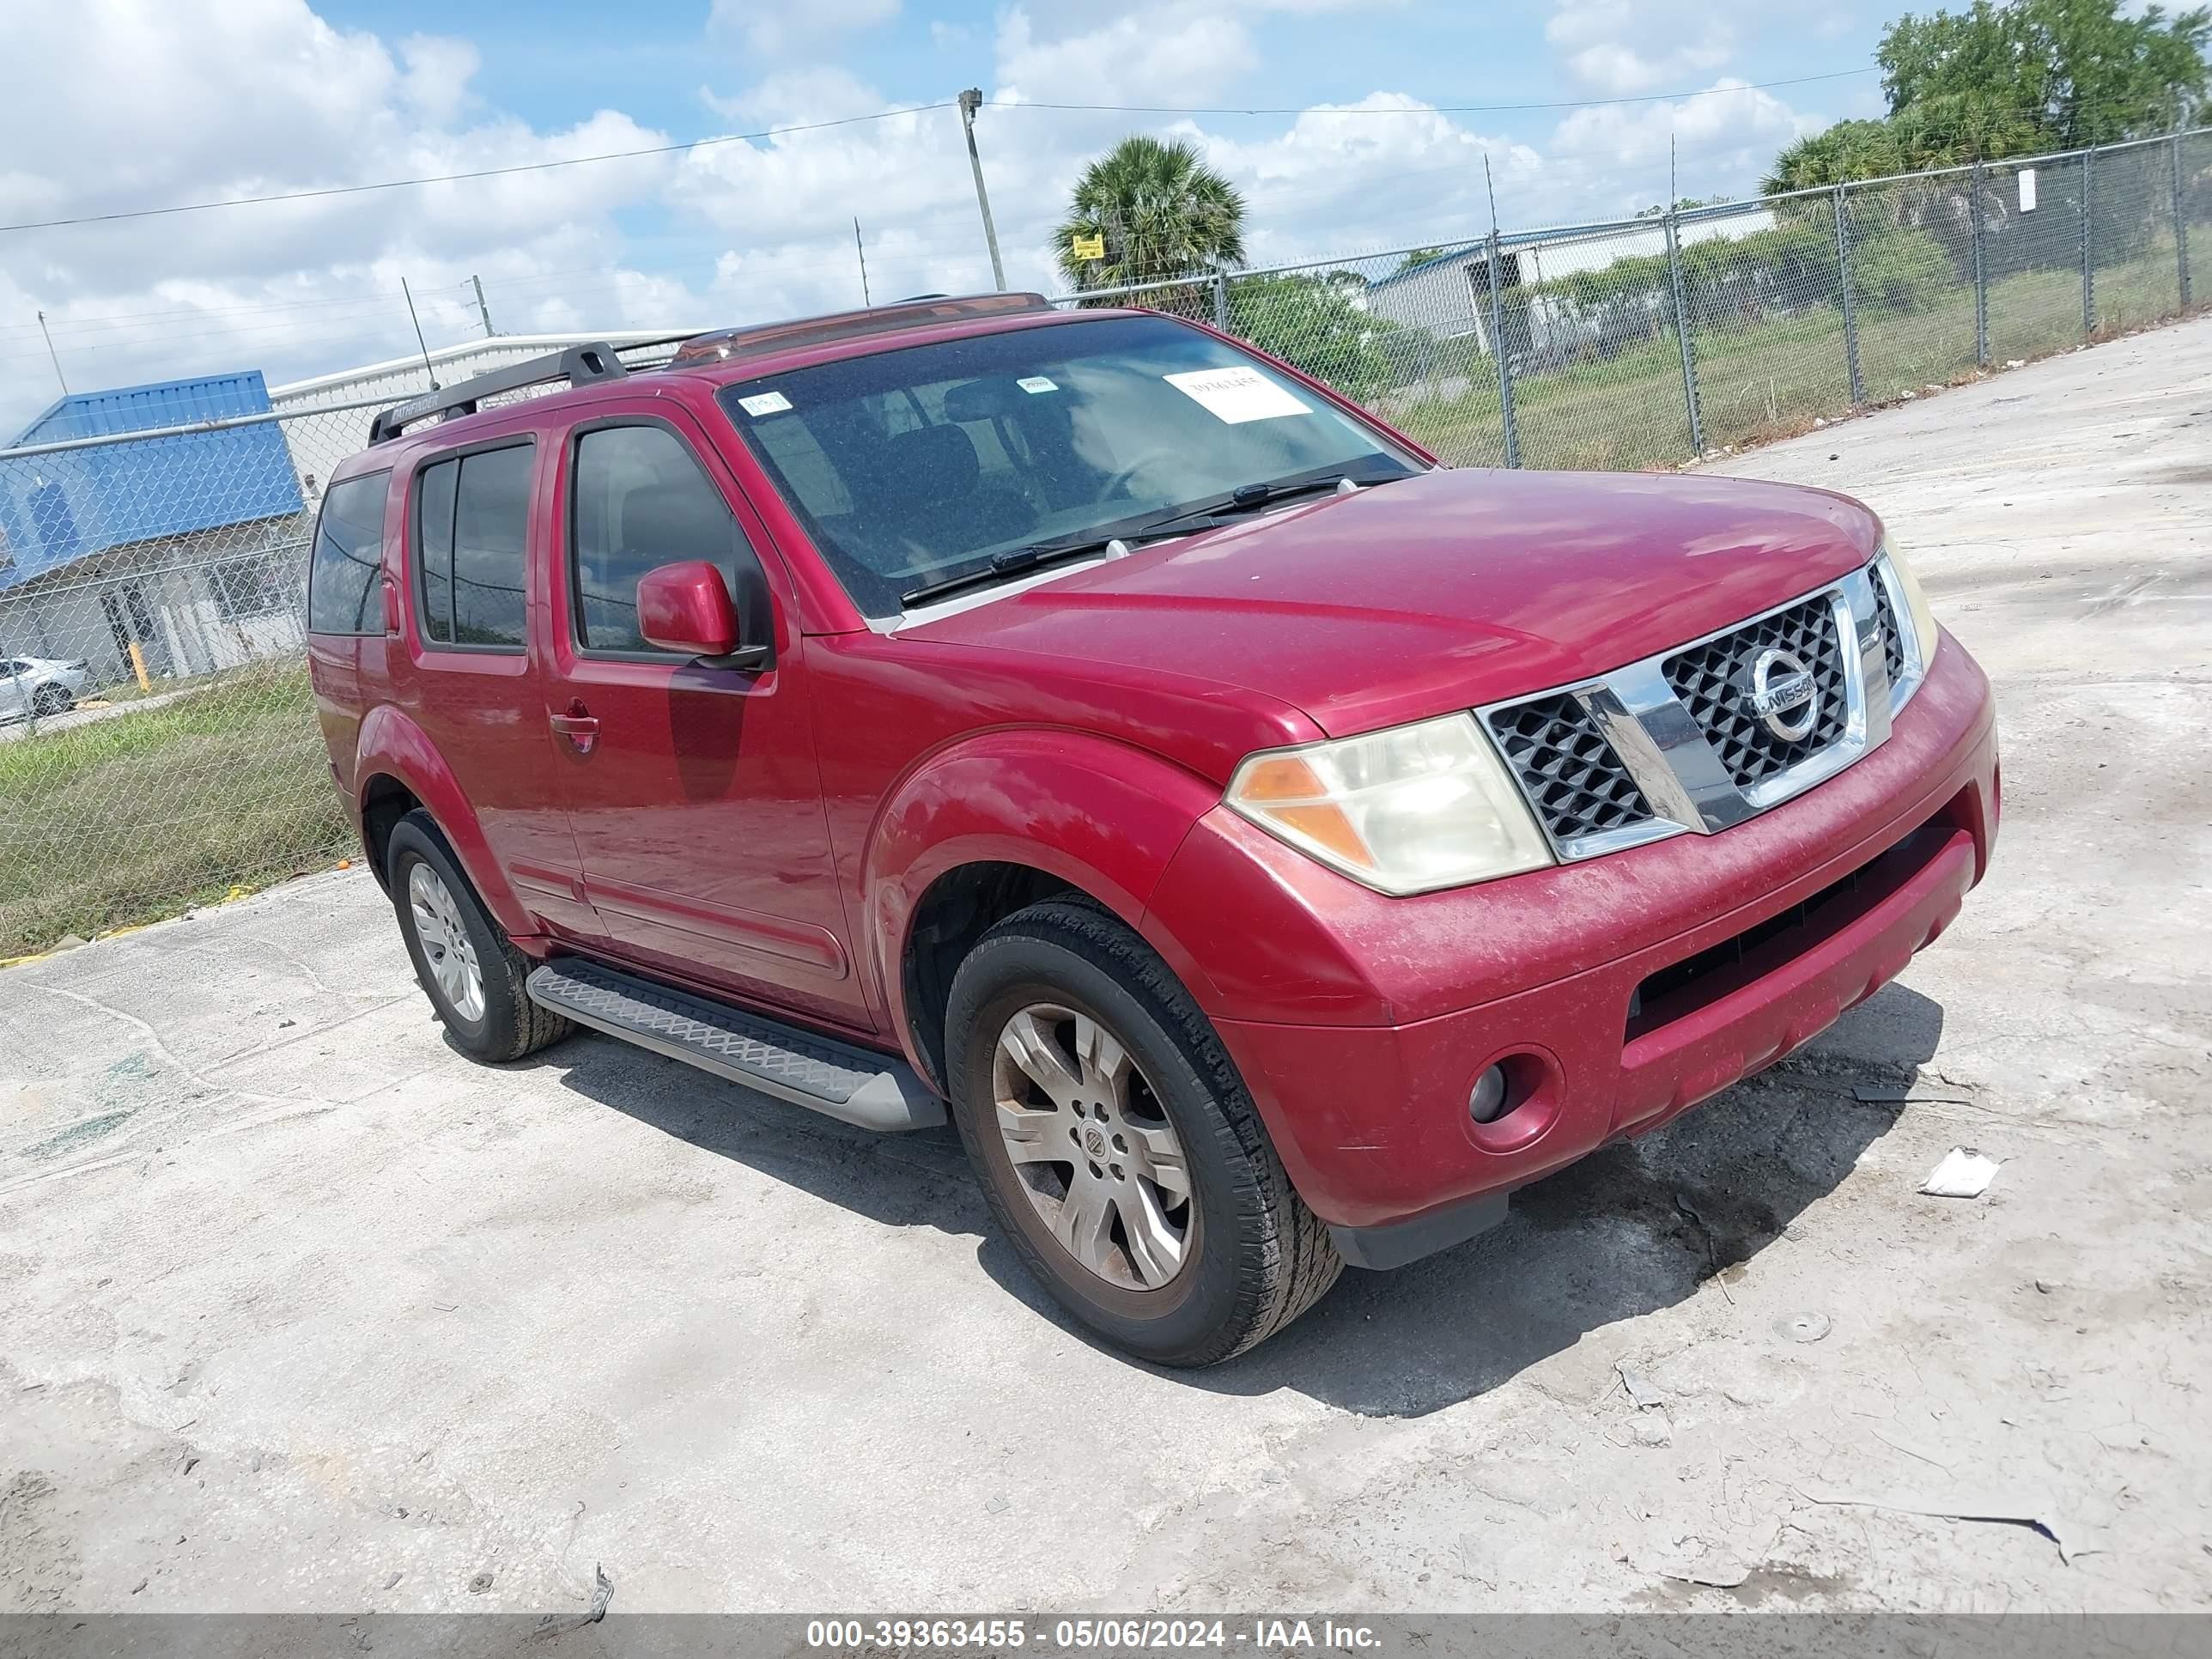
{"x":692,"y":789}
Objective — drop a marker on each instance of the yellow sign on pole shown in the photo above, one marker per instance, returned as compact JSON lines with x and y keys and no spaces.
{"x":1089,"y":247}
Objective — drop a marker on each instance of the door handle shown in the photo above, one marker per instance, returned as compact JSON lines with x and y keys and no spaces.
{"x":577,"y":726}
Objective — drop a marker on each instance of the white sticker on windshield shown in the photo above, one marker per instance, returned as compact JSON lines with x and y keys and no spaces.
{"x":764,"y":403}
{"x":1236,"y":395}
{"x":1034,"y":384}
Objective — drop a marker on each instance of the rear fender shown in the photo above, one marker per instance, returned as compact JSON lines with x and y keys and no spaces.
{"x":392,"y":745}
{"x":1105,"y":818}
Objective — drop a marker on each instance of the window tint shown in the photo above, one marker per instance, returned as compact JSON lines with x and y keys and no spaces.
{"x":918,"y":465}
{"x":434,"y":544}
{"x":491,"y":526}
{"x":472,"y":524}
{"x":640,"y":502}
{"x":342,"y":568}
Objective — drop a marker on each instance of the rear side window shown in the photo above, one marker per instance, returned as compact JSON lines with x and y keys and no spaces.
{"x":348,"y":549}
{"x":471,"y":538}
{"x":641,"y":502}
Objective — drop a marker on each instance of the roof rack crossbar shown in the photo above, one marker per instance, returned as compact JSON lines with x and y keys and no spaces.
{"x":579,"y":365}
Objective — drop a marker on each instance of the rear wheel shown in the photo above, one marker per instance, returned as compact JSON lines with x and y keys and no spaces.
{"x":1120,"y":1150}
{"x":473,"y":976}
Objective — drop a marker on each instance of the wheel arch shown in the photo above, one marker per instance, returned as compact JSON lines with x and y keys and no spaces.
{"x":397,"y":769}
{"x":995,"y":825}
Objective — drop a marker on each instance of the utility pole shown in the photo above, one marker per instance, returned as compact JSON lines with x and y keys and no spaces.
{"x":56,"y":355}
{"x":861,"y":248}
{"x":971,"y":101}
{"x":483,"y":310}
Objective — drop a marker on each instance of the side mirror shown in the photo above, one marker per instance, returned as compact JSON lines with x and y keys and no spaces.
{"x":686,"y":607}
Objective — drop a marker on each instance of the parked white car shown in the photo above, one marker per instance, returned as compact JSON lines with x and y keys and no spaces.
{"x":39,"y":685}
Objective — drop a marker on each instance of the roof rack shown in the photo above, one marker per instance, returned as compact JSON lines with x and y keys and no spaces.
{"x":756,"y":339}
{"x":579,"y":365}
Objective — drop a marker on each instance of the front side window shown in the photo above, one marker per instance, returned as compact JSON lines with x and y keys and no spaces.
{"x":641,"y":502}
{"x":473,"y":537}
{"x":913,"y":467}
{"x":346,"y":557}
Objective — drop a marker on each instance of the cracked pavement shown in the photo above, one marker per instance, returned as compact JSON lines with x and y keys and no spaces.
{"x":304,"y":1312}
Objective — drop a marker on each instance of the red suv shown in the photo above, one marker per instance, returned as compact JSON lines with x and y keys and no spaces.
{"x":1271,"y":847}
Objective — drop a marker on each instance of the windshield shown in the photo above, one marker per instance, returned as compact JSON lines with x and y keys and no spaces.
{"x":909,"y":468}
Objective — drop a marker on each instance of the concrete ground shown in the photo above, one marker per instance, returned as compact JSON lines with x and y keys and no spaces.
{"x":302,"y":1311}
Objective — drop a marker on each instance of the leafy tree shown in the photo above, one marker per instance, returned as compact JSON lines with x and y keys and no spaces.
{"x":1310,"y":322}
{"x":1161,"y":211}
{"x":1683,"y":204}
{"x":2012,"y":79}
{"x":1417,"y":257}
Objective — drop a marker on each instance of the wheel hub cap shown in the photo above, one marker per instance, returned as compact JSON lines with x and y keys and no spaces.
{"x":444,"y":937}
{"x":1096,"y":1155}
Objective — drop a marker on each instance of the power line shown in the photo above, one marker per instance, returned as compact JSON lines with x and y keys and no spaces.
{"x":479,"y":173}
{"x":1429,"y":109}
{"x":880,"y":115}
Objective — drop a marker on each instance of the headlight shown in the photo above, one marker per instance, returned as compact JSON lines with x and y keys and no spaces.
{"x":1916,"y":606}
{"x":1405,"y":811}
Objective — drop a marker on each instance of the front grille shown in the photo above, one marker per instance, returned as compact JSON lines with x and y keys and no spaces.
{"x":1893,"y":643}
{"x":1713,"y":681}
{"x":1569,"y":773}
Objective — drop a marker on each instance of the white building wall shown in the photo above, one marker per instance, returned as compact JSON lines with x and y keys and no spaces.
{"x":404,"y":377}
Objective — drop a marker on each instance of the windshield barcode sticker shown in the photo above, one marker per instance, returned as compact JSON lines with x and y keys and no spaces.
{"x":1236,"y":395}
{"x":764,"y":403}
{"x":1034,"y":384}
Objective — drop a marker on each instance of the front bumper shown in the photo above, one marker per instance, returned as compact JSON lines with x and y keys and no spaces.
{"x":1360,"y":1023}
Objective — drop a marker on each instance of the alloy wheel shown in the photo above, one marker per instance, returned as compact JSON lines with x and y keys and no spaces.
{"x":1094,"y":1151}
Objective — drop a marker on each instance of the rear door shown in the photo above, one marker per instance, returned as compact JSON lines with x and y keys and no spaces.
{"x":472,"y":516}
{"x":692,"y":789}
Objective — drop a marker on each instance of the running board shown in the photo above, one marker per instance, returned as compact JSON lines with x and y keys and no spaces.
{"x":870,"y":1089}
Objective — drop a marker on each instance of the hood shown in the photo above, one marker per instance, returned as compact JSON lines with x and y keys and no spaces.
{"x":1444,"y":590}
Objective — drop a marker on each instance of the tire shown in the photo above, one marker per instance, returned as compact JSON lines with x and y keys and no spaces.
{"x":499,"y":1022}
{"x":51,"y":699}
{"x":1247,"y":1256}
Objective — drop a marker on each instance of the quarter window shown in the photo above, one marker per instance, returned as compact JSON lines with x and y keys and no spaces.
{"x":641,"y":502}
{"x":348,"y":549}
{"x":472,"y":534}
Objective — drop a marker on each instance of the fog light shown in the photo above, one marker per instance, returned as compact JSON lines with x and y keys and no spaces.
{"x":1487,"y":1100}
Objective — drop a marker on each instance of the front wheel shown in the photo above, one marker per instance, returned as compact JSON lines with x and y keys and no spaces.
{"x":1120,"y":1150}
{"x":52,"y":700}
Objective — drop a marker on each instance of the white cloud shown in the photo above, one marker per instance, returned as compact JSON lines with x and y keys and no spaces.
{"x":1730,"y":132}
{"x":1386,"y":169}
{"x":439,"y":70}
{"x":208,"y":99}
{"x":194,"y":103}
{"x":1171,"y":56}
{"x":774,"y":27}
{"x":1623,"y":47}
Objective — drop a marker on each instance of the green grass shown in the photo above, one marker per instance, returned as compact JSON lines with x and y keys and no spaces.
{"x":1775,"y":377}
{"x":139,"y":815}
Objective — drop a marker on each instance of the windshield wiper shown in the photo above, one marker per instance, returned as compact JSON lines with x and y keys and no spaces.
{"x":1249,"y":498}
{"x":1015,"y":560}
{"x":1204,"y":516}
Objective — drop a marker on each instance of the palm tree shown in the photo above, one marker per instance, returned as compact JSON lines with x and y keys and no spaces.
{"x":1161,"y":211}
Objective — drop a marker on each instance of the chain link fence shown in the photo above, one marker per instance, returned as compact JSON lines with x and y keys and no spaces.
{"x":158,"y":741}
{"x":158,"y":745}
{"x":1649,"y":342}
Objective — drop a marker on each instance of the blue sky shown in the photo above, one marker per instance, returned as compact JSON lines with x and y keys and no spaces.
{"x":116,"y":108}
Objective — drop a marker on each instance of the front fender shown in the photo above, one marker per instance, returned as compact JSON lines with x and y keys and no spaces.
{"x":390,"y":745}
{"x":1099,"y":815}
